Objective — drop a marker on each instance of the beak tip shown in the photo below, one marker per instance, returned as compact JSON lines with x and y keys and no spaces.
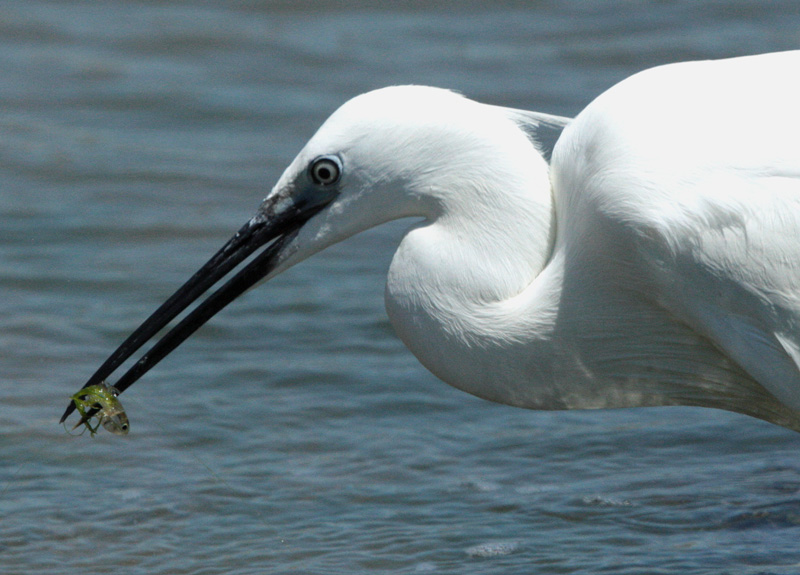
{"x":67,"y":412}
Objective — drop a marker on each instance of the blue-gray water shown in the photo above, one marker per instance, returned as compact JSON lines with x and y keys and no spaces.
{"x":294,"y":433}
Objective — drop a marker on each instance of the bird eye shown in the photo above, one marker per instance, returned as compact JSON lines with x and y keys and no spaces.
{"x":325,"y":170}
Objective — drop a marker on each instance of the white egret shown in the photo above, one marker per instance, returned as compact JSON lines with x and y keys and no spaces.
{"x":656,"y":261}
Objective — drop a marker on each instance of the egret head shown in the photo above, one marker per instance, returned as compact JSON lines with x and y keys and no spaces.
{"x":388,"y":154}
{"x":406,"y":151}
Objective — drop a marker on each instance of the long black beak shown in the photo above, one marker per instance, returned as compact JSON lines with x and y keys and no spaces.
{"x":272,"y":229}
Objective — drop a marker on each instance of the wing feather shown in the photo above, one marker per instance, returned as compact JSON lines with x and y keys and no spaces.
{"x":700,"y":164}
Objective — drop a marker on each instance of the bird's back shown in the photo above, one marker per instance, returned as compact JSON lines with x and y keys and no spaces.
{"x":696,"y":165}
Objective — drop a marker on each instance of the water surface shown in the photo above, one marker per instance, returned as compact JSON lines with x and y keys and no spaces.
{"x":294,"y":433}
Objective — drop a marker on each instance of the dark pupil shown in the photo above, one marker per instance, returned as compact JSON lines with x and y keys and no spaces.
{"x":324,"y":173}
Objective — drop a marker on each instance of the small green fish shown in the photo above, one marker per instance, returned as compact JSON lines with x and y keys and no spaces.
{"x":101,"y":398}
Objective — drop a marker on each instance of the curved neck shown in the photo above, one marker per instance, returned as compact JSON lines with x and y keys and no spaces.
{"x":491,"y":308}
{"x":459,"y":279}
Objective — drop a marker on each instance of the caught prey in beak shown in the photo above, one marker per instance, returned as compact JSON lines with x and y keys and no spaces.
{"x":652,"y":262}
{"x":278,"y":219}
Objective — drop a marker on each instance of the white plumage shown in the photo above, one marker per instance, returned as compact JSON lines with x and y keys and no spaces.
{"x":655,"y":261}
{"x":658,"y":264}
